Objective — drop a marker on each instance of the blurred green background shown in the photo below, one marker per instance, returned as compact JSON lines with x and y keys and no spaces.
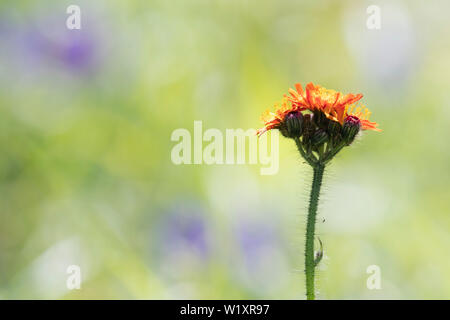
{"x":86,"y":176}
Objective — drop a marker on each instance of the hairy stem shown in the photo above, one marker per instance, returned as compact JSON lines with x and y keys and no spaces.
{"x":310,"y":229}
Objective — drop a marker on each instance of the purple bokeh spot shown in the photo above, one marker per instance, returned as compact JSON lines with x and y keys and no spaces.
{"x":78,"y":52}
{"x":34,"y":48}
{"x":254,"y":238}
{"x":184,"y":228}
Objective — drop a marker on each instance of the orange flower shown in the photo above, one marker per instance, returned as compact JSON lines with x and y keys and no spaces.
{"x":330,"y":102}
{"x":335,"y":105}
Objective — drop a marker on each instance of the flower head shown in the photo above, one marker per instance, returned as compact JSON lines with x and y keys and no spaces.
{"x":330,"y":104}
{"x":321,"y":121}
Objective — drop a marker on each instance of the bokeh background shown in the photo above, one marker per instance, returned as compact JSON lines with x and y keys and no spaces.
{"x":86,"y":176}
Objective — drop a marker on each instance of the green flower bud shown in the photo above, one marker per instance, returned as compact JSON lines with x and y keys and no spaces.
{"x":293,"y":125}
{"x":350,"y":129}
{"x":320,"y":119}
{"x":334,"y":128}
{"x":308,"y":130}
{"x":319,"y":137}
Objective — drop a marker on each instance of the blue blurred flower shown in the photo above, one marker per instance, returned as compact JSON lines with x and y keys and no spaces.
{"x":184,"y":229}
{"x":77,"y":51}
{"x":46,"y":45}
{"x":254,"y":238}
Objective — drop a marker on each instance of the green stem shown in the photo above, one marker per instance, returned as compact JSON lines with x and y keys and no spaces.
{"x":330,"y":155}
{"x":311,"y":161}
{"x":310,"y":229}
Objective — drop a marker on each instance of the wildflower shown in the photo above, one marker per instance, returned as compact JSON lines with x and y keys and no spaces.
{"x":323,"y":103}
{"x":321,"y":122}
{"x":317,"y":116}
